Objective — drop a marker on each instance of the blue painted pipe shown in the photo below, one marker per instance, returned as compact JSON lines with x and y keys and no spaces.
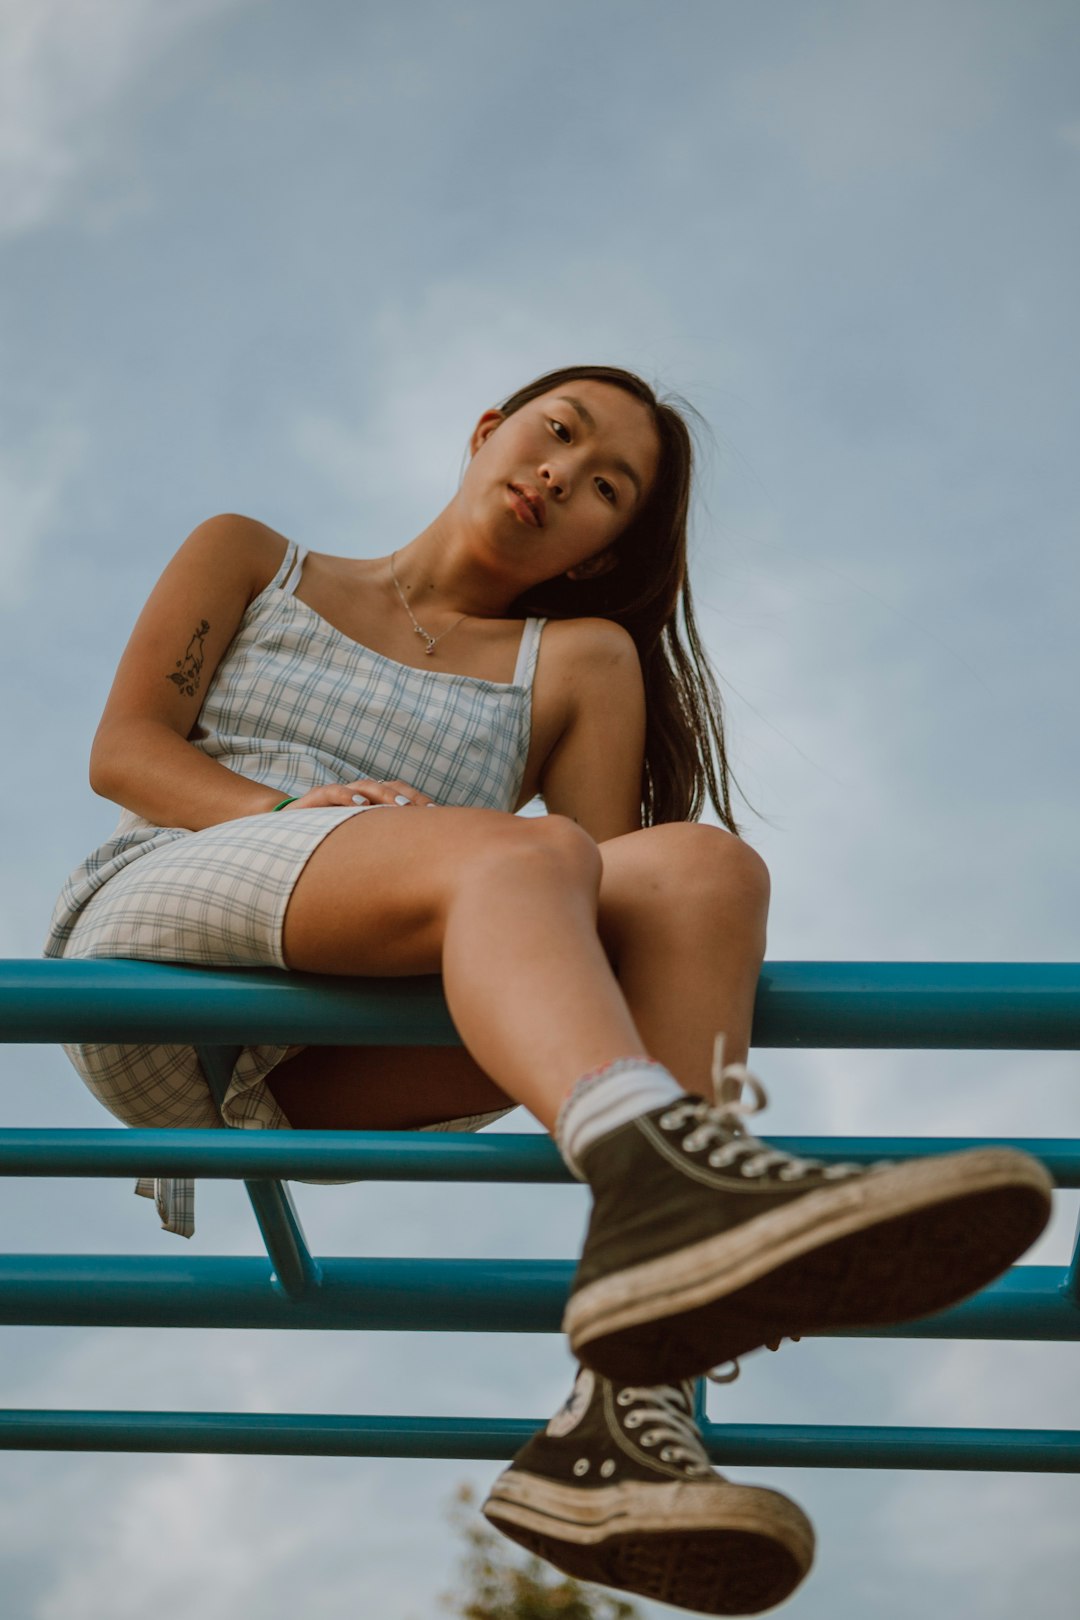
{"x":275,"y":1213}
{"x":409,"y":1156}
{"x":367,"y":1155}
{"x":1024,"y":1006}
{"x":1070,"y":1286}
{"x":497,"y":1439}
{"x":426,"y":1296}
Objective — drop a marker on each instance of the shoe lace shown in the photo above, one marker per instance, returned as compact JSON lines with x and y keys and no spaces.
{"x":725,"y":1117}
{"x":669,"y":1407}
{"x":719,"y":1375}
{"x":723,"y":1122}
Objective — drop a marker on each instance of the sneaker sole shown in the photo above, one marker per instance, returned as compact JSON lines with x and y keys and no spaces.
{"x":896,"y":1245}
{"x":712,"y":1548}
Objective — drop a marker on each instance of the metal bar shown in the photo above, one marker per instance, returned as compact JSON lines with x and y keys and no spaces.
{"x":234,"y":1292}
{"x":497,"y":1439}
{"x":279,"y":1224}
{"x":1047,"y":1451}
{"x":1070,"y":1286}
{"x":932,"y":1005}
{"x":898,"y":1005}
{"x":426,"y":1296}
{"x":366,"y":1155}
{"x":409,"y":1156}
{"x":114,"y":1000}
{"x":295,"y":1272}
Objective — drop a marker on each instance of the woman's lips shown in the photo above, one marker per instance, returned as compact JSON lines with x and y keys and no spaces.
{"x":523,"y":507}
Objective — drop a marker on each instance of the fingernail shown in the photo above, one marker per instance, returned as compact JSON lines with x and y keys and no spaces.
{"x":399,"y":798}
{"x":433,"y":804}
{"x":358,"y":798}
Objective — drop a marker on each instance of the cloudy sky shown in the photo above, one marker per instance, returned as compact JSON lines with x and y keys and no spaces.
{"x":277,"y":259}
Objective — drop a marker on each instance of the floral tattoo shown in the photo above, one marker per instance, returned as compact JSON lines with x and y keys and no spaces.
{"x":190,"y":666}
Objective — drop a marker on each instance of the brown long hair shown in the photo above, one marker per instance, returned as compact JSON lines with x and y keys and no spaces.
{"x":684,"y":714}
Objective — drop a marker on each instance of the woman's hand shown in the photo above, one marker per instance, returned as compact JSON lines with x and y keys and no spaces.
{"x":363,"y":791}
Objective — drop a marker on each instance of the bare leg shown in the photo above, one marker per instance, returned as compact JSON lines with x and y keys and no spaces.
{"x":530,"y":990}
{"x":680,"y":915}
{"x":505,"y":909}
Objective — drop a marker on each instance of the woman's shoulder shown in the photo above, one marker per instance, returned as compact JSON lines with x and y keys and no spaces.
{"x":592,"y":641}
{"x":583,"y":657}
{"x":263,"y":547}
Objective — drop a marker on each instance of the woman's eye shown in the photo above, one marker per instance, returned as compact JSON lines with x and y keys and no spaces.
{"x":608,"y":491}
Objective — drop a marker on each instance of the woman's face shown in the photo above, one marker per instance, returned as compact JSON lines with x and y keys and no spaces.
{"x":559,"y":479}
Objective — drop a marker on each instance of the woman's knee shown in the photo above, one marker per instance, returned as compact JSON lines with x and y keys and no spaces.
{"x":557,"y":840}
{"x":734,"y":866}
{"x":689,"y":869}
{"x":571,"y":841}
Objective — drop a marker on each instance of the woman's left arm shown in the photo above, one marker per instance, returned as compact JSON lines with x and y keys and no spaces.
{"x":593,"y":774}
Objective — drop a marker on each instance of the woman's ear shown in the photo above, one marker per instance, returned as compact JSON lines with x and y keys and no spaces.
{"x":484,"y":429}
{"x":593,"y":567}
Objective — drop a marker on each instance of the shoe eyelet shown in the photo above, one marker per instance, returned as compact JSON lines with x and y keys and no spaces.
{"x":665,"y":1454}
{"x":695,"y":1141}
{"x":581,"y":1466}
{"x":607,"y":1468}
{"x":750,"y":1171}
{"x":634,"y":1420}
{"x":648,"y":1440}
{"x":667,"y":1122}
{"x":623,"y":1398}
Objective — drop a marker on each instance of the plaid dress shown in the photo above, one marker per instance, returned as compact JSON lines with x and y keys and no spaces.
{"x":294,"y":703}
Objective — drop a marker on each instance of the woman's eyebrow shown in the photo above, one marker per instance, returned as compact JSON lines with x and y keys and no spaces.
{"x":590,"y":422}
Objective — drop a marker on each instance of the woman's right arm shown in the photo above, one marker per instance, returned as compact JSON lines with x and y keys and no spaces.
{"x":141,"y":757}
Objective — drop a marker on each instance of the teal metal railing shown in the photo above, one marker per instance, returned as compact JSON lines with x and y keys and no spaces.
{"x":817,"y":1004}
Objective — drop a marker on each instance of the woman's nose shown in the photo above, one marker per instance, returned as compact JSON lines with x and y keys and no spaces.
{"x":555,"y":479}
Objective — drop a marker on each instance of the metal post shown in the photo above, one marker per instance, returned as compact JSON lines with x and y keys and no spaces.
{"x":294,"y":1269}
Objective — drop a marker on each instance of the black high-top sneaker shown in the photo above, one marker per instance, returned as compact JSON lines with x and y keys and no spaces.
{"x":618,"y":1489}
{"x":704,"y":1243}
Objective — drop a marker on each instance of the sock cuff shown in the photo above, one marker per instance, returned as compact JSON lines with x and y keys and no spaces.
{"x":608,"y":1097}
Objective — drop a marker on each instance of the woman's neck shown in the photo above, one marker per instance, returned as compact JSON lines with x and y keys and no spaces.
{"x":439,"y":573}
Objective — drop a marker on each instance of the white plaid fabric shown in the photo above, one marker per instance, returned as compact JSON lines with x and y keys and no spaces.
{"x":294,"y":703}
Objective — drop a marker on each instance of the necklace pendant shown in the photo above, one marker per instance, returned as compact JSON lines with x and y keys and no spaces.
{"x":430,"y":648}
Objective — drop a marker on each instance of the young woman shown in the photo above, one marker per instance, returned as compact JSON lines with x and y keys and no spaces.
{"x":525,"y":642}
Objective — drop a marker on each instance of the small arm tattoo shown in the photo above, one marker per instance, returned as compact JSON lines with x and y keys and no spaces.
{"x":190,"y":666}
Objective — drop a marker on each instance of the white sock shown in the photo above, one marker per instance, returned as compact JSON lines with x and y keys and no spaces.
{"x":608,"y":1097}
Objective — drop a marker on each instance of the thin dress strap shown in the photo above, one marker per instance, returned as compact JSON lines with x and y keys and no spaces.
{"x":526,"y":658}
{"x":292,"y":581}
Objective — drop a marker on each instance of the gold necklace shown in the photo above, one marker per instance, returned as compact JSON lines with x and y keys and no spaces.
{"x":428,"y":637}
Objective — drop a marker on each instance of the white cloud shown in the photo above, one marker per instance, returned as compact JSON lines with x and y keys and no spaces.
{"x":880,"y":92}
{"x":63,"y":64}
{"x":178,"y":1540}
{"x":1001,"y":1539}
{"x":996,"y":1383}
{"x":33,"y":495}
